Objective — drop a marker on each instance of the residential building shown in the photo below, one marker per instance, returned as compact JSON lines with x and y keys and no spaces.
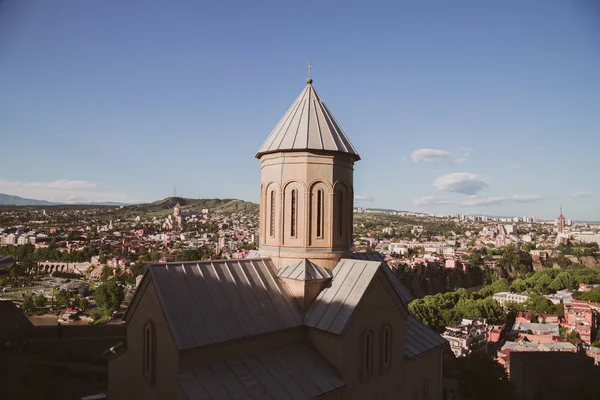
{"x":470,"y":335}
{"x":582,"y":317}
{"x":503,"y":297}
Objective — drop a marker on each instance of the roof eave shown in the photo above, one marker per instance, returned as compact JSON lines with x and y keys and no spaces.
{"x":355,"y":156}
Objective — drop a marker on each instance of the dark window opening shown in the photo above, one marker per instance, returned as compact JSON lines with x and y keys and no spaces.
{"x":293,"y":214}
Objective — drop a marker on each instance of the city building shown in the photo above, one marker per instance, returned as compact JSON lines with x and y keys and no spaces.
{"x":582,"y":316}
{"x":470,"y":335}
{"x":503,"y":297}
{"x":175,"y":221}
{"x":305,"y":317}
{"x":560,"y":222}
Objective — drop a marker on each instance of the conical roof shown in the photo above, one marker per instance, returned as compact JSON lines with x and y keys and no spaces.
{"x":308,"y":125}
{"x":304,"y":270}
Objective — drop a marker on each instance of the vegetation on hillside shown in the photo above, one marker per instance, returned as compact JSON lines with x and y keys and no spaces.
{"x":443,"y":309}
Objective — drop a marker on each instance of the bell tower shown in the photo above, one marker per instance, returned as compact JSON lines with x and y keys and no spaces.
{"x":306,"y":193}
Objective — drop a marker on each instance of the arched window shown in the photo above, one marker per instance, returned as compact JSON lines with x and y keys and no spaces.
{"x":272,"y":214}
{"x":367,"y":352}
{"x":340,"y":214}
{"x":149,"y":351}
{"x":293,"y":211}
{"x":386,"y":347}
{"x":320,"y":213}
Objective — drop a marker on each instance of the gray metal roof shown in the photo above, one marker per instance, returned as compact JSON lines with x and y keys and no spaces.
{"x":253,"y":254}
{"x":308,"y":125}
{"x":401,"y":290}
{"x":288,"y":373}
{"x":334,"y":306}
{"x":420,"y":338}
{"x":215,"y":301}
{"x":304,"y":270}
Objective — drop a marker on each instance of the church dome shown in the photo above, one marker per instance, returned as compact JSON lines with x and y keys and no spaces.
{"x":308,"y":125}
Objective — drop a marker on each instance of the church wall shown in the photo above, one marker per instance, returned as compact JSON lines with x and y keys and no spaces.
{"x":126,"y":375}
{"x":203,"y":356}
{"x":424,"y":374}
{"x":330,"y":348}
{"x":379,"y":307}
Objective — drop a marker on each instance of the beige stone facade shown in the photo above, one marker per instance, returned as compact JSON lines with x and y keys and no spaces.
{"x":306,"y":207}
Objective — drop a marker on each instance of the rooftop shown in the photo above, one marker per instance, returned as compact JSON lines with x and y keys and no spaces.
{"x":308,"y":125}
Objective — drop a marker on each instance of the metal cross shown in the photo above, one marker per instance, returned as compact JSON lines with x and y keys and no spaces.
{"x":310,"y":65}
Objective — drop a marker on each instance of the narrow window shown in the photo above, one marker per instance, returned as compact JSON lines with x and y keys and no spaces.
{"x":319,"y":213}
{"x":293,"y":214}
{"x":341,"y":214}
{"x":368,"y":354}
{"x":272,"y":215}
{"x":386,"y":347}
{"x":149,"y":352}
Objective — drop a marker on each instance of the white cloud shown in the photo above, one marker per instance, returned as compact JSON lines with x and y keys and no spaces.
{"x":515,"y":165}
{"x":462,"y":182}
{"x":363,"y":198}
{"x":461,"y":160}
{"x":579,"y":195}
{"x":62,"y":190}
{"x":465,"y":150}
{"x":430,"y":201}
{"x":62,"y":184}
{"x":475,"y":201}
{"x":430,"y":155}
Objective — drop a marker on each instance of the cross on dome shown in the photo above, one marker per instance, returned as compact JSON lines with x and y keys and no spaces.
{"x":309,"y":67}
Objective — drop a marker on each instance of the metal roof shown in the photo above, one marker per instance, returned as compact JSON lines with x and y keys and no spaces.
{"x":288,"y":373}
{"x":420,"y":338}
{"x":401,"y":290}
{"x":334,"y":306}
{"x":220,"y":300}
{"x":304,"y":270}
{"x":308,"y":125}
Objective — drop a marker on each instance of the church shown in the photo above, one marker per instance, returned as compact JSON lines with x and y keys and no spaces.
{"x":304,"y":317}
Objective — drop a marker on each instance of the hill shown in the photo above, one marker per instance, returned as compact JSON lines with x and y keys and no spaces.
{"x":165,"y":206}
{"x":7,"y":199}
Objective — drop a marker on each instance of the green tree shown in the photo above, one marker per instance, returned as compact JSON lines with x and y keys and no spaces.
{"x":62,"y":298}
{"x":513,"y":307}
{"x":40,"y":301}
{"x":593,"y":296}
{"x":491,"y":310}
{"x":28,"y":304}
{"x":81,"y":302}
{"x":539,"y":304}
{"x":564,"y":280}
{"x":500,"y":285}
{"x":109,"y":296}
{"x":518,"y":286}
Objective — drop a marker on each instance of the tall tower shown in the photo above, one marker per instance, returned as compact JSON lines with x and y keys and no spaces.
{"x":306,"y":192}
{"x":561,"y":222}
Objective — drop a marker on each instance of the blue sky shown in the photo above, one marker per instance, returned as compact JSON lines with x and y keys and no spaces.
{"x":462,"y":106}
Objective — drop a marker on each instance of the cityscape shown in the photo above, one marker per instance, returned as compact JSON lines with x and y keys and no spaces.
{"x":285,"y":276}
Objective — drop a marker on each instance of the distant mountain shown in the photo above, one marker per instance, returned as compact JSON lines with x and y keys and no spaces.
{"x":7,"y":200}
{"x":165,"y":206}
{"x":102,"y":203}
{"x":10,"y":200}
